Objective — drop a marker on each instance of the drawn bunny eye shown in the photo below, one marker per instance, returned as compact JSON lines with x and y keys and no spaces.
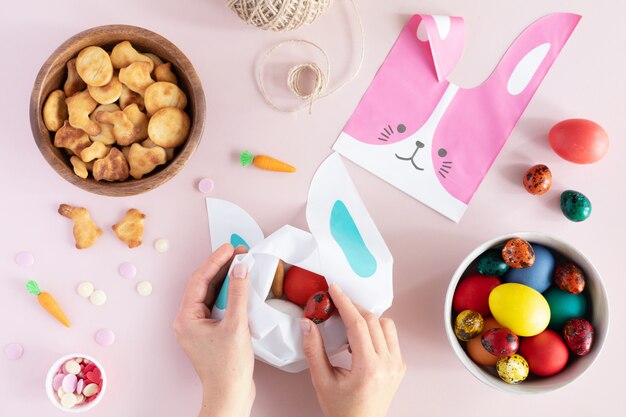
{"x":401,"y":128}
{"x":442,"y":152}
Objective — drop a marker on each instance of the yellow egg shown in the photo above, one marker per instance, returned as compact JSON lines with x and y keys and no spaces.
{"x":519,"y":308}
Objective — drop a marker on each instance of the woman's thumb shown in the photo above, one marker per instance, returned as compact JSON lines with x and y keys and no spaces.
{"x":237,"y":306}
{"x":314,"y":352}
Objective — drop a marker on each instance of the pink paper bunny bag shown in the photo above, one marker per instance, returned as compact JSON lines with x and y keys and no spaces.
{"x":431,"y":138}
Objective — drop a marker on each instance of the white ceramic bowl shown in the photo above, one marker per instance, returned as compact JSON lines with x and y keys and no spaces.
{"x":52,"y":395}
{"x":599,"y":318}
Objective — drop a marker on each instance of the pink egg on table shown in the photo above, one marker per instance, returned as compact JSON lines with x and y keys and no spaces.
{"x":579,"y":140}
{"x":206,"y":185}
{"x":13,"y":351}
{"x":127,"y":270}
{"x":105,"y":337}
{"x":69,"y":383}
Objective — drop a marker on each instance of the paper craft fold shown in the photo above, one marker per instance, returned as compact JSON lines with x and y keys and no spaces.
{"x":431,"y":138}
{"x":343,"y":245}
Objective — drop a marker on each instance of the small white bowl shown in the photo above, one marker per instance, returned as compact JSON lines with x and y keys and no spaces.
{"x":52,"y":396}
{"x":599,"y":318}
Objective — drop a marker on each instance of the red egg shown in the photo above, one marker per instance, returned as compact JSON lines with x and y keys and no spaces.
{"x":546,"y":353}
{"x":472,"y":293}
{"x":578,"y":335}
{"x":319,"y":307}
{"x":300,"y":284}
{"x":579,"y":140}
{"x":500,"y":342}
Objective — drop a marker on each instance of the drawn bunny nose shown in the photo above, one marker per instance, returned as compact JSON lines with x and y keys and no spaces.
{"x":419,"y":144}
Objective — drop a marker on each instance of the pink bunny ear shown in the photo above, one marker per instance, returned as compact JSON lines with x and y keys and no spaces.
{"x":445,"y":35}
{"x":480,"y":120}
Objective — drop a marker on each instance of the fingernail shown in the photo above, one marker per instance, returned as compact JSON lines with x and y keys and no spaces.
{"x":240,"y":271}
{"x":305,"y":325}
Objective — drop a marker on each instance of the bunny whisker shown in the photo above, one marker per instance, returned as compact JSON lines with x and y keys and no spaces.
{"x":387,"y":131}
{"x":440,"y":173}
{"x":390,"y":128}
{"x":382,"y":139}
{"x":441,"y":169}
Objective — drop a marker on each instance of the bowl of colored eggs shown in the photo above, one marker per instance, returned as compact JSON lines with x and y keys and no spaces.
{"x":526,"y":313}
{"x":76,"y":383}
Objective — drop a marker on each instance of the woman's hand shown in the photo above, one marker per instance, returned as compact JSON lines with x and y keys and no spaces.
{"x":367,"y":389}
{"x":220,"y":351}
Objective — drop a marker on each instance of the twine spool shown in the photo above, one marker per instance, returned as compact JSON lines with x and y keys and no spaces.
{"x":320,"y":76}
{"x":278,"y":15}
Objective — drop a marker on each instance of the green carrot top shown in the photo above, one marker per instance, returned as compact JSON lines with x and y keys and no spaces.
{"x":33,"y":287}
{"x":246,"y":158}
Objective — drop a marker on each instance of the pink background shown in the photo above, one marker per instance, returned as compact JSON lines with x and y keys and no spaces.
{"x":148,"y":372}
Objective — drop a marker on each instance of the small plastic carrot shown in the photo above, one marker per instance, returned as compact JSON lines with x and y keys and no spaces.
{"x":48,"y":303}
{"x":265,"y":162}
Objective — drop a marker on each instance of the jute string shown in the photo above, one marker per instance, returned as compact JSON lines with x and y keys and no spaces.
{"x":320,"y":77}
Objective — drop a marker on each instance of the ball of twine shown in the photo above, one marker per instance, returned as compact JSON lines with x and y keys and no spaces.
{"x":278,"y":15}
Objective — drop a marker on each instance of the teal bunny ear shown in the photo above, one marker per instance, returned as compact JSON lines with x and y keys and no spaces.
{"x":229,"y":223}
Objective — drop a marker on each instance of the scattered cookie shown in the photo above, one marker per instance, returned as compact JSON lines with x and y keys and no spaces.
{"x":206,"y":185}
{"x":108,"y":93}
{"x":162,"y":245}
{"x":86,"y":232}
{"x":73,"y":82}
{"x":24,"y":259}
{"x":55,"y":110}
{"x":98,"y":298}
{"x":142,"y":160}
{"x":93,"y":64}
{"x":105,"y":337}
{"x":85,"y":289}
{"x":169,"y":127}
{"x":79,"y":107}
{"x":130,"y":229}
{"x":137,"y":77}
{"x":144,"y":288}
{"x":113,"y":167}
{"x":127,"y":270}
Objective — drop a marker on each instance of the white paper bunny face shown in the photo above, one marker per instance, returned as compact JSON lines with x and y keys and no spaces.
{"x":344,"y":246}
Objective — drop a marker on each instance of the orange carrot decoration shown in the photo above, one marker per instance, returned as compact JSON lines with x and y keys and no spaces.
{"x":48,"y":303}
{"x":265,"y":162}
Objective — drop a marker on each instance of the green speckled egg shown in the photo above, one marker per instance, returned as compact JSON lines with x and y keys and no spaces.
{"x":491,"y":263}
{"x":512,"y":369}
{"x":468,"y":325}
{"x":575,"y":206}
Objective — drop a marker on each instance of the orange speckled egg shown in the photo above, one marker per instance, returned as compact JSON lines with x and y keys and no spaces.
{"x":538,"y":179}
{"x":475,"y":349}
{"x":517,"y":253}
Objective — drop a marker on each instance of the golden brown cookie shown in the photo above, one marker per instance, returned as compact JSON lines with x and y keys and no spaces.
{"x":80,"y":169}
{"x":71,"y":138}
{"x":93,"y":64}
{"x":139,"y":120}
{"x":96,"y":150}
{"x":123,"y":129}
{"x":279,"y":278}
{"x":130,"y":229}
{"x":164,"y":94}
{"x":86,"y":232}
{"x":169,"y":152}
{"x":106,"y":130}
{"x":143,"y":160}
{"x":108,"y":93}
{"x":163,"y":72}
{"x":169,"y":127}
{"x":113,"y":167}
{"x":124,"y":54}
{"x":73,"y":82}
{"x":136,"y":76}
{"x":79,"y":107}
{"x":129,"y":97}
{"x":55,"y":110}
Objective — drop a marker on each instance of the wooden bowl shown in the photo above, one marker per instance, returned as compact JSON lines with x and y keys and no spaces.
{"x":52,"y":76}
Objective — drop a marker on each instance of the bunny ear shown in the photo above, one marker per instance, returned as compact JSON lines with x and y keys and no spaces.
{"x":445,"y":34}
{"x":229,"y":223}
{"x":352,"y":251}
